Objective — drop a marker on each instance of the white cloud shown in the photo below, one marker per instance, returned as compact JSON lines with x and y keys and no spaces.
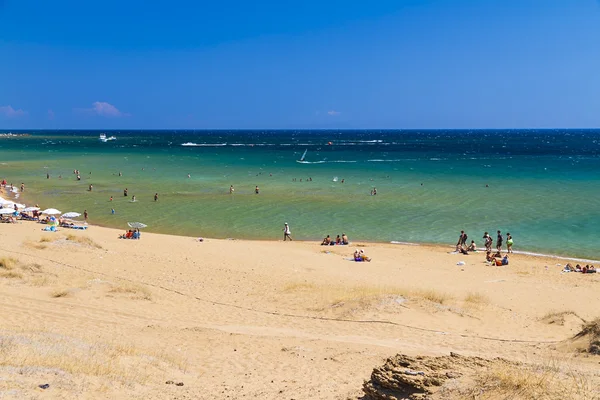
{"x":333,"y":113}
{"x":104,"y":109}
{"x":10,"y":112}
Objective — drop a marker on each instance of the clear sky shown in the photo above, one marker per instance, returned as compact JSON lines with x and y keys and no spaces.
{"x":299,"y":64}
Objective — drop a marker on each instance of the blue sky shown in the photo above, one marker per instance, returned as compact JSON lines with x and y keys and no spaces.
{"x":299,"y":64}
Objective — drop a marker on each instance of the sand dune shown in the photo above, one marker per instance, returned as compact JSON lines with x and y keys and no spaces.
{"x":98,"y":317}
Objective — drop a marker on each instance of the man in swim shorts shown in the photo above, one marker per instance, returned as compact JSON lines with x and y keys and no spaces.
{"x":499,"y":240}
{"x":287,"y":232}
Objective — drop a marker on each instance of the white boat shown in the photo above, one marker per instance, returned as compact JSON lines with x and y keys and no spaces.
{"x":105,"y":139}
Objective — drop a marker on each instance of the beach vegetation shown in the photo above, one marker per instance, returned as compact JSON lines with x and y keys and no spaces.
{"x":551,"y":381}
{"x":558,"y":317}
{"x":84,"y":240}
{"x":434,"y":296}
{"x":11,"y":274}
{"x":60,"y":293}
{"x":591,"y":331}
{"x":299,"y":286}
{"x":135,"y":291}
{"x":119,"y":362}
{"x":8,"y":263}
{"x":476,"y":299}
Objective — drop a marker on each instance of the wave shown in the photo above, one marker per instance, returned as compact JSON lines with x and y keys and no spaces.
{"x":190,"y":144}
{"x":377,"y":160}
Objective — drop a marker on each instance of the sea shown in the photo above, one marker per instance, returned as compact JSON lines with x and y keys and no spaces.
{"x":542,"y":186}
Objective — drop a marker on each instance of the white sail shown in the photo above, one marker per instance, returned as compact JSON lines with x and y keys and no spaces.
{"x":303,"y":155}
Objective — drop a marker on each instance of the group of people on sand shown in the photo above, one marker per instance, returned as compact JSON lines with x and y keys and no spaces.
{"x":131,"y":234}
{"x":463,"y":247}
{"x":339,"y":240}
{"x":359,"y":256}
{"x":588,"y":269}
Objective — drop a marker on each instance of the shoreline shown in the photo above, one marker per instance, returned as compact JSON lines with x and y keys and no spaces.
{"x":353,"y":243}
{"x":567,"y":257}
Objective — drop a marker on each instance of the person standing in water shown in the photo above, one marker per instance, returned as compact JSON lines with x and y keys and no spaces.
{"x":155,"y":196}
{"x":133,"y":198}
{"x":231,"y":189}
{"x":509,"y":243}
{"x":125,"y":192}
{"x":499,"y":240}
{"x":287,"y":233}
{"x":256,"y":190}
{"x":85,"y":215}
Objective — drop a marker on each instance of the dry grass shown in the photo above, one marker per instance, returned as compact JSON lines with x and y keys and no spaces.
{"x":557,"y":317}
{"x":39,"y":280}
{"x":84,"y":240}
{"x":35,"y":245}
{"x":60,"y":293}
{"x":135,"y":291}
{"x":548,"y":382}
{"x":363,"y":295}
{"x":300,"y":286}
{"x":8,"y":263}
{"x":118,"y":362}
{"x":477,"y":299}
{"x":11,"y":275}
{"x":433,"y":296}
{"x":591,"y":331}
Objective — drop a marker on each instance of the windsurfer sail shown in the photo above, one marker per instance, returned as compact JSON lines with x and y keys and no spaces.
{"x":303,"y":155}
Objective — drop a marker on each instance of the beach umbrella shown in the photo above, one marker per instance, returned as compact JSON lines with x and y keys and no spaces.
{"x":6,"y":211}
{"x":71,"y":214}
{"x":51,"y":211}
{"x":30,"y":209}
{"x":137,"y":225}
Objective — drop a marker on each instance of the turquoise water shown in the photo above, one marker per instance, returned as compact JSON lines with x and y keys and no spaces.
{"x":543,"y":185}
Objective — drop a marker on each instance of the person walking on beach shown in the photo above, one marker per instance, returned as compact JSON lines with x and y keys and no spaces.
{"x":462,"y":239}
{"x":509,"y":243}
{"x":287,"y":233}
{"x":22,"y":187}
{"x":499,"y":240}
{"x":85,"y":215}
{"x":155,"y":196}
{"x":488,"y":242}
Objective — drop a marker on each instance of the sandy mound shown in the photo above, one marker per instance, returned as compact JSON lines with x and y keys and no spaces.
{"x":419,"y":377}
{"x":586,"y":341}
{"x":459,"y":377}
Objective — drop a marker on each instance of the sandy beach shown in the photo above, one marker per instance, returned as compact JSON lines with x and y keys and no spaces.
{"x":169,"y":317}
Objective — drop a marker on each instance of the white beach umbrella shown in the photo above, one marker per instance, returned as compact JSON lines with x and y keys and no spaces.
{"x":51,"y":211}
{"x":137,"y":225}
{"x":6,"y":211}
{"x":71,"y":214}
{"x":30,"y":209}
